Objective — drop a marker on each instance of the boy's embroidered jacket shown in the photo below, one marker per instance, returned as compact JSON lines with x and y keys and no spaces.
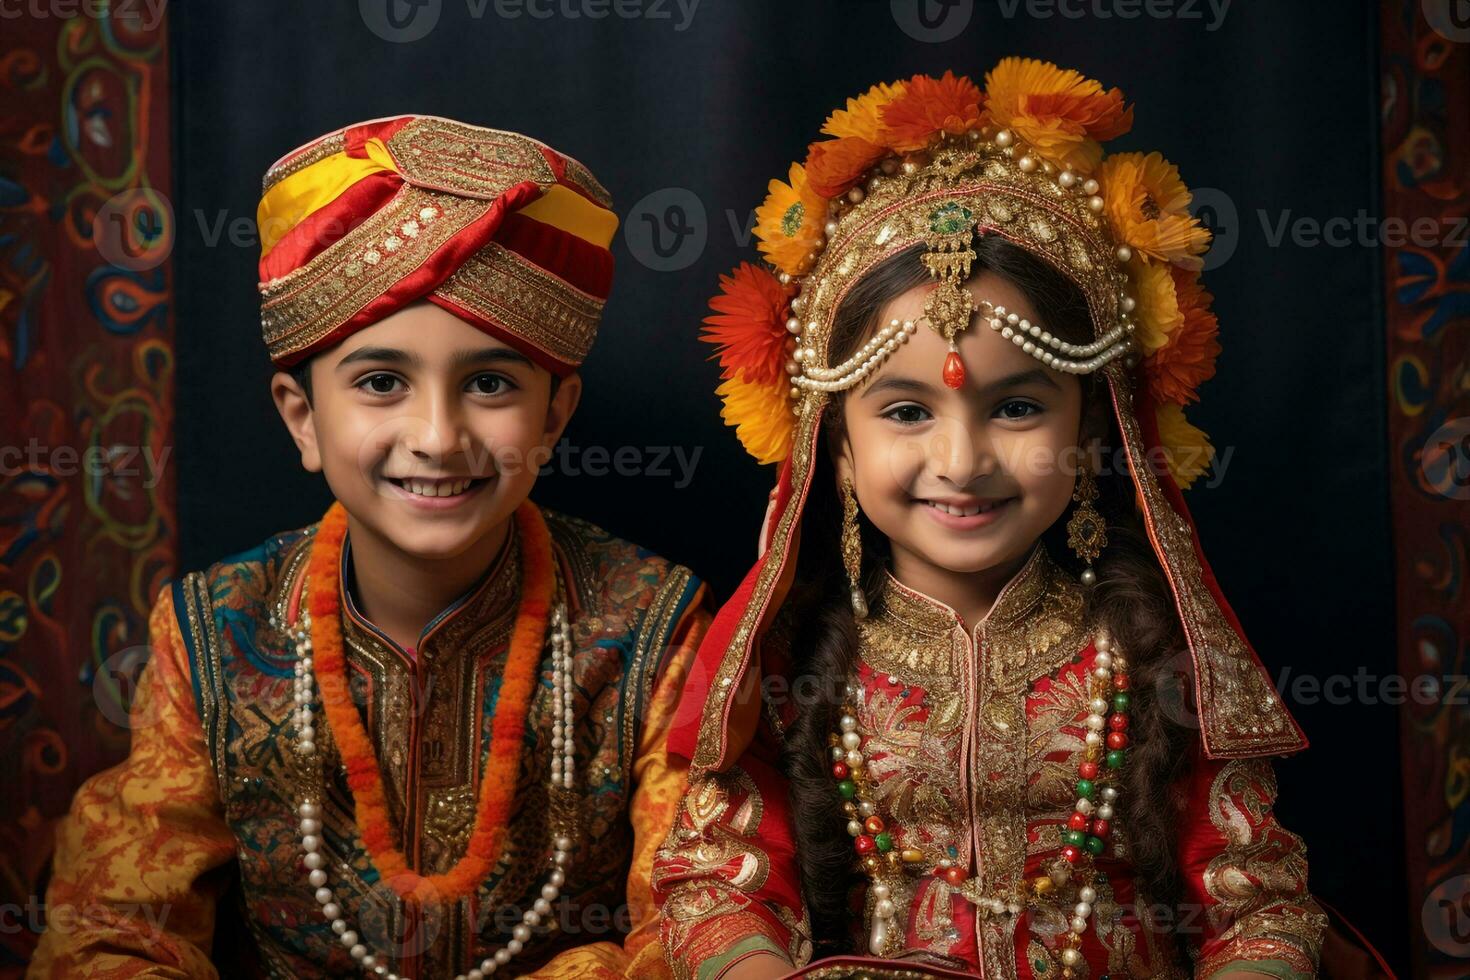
{"x":206,"y":801}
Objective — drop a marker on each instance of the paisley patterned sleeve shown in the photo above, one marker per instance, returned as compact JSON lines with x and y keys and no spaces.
{"x":139,"y":859}
{"x":660,"y":781}
{"x":726,"y":877}
{"x":1247,"y":875}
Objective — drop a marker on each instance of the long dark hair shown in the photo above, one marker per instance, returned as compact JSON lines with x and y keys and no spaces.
{"x":1130,"y":597}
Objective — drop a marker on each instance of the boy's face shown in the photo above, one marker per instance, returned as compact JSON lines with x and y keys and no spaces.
{"x":429,"y":431}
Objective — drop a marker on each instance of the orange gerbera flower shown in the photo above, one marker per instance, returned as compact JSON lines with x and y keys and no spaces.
{"x":930,"y":106}
{"x":1148,"y":207}
{"x":1061,"y":114}
{"x":1177,"y":369}
{"x":863,"y":117}
{"x":789,"y":222}
{"x":1187,"y":450}
{"x":761,"y":415}
{"x":1157,"y":311}
{"x":749,"y":325}
{"x":834,"y":166}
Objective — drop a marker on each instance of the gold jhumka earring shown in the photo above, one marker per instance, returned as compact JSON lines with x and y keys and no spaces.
{"x":1087,"y":532}
{"x":852,"y":550}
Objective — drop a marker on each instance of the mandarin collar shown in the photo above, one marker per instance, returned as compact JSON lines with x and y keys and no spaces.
{"x":1018,"y":599}
{"x":493,"y":597}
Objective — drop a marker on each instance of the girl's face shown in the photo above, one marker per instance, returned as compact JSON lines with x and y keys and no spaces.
{"x":429,"y":431}
{"x":962,"y":480}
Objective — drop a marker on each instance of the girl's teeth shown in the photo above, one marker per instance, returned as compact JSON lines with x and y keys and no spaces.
{"x":961,"y":511}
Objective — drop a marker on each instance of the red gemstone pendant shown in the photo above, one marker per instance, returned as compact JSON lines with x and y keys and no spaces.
{"x":954,"y":370}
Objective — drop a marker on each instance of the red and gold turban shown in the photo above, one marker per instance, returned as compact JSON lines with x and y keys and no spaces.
{"x":494,"y":227}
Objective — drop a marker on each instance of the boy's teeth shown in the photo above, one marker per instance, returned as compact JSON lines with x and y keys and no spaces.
{"x":436,"y":489}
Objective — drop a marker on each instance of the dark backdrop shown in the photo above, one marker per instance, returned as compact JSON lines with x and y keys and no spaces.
{"x":1270,"y":112}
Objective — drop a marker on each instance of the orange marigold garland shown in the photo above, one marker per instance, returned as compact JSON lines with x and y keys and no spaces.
{"x":498,"y":783}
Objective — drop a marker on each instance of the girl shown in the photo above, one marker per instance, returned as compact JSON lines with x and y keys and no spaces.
{"x":993,"y":715}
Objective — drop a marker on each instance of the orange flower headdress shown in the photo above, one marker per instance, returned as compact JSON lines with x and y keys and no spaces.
{"x":1041,"y":122}
{"x":935,"y":161}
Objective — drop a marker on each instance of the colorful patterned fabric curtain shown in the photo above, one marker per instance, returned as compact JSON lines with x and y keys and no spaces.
{"x":87,"y":530}
{"x":1425,"y":61}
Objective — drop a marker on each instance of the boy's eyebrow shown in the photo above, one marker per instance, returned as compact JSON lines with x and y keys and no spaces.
{"x":898,"y":383}
{"x":392,"y":355}
{"x":461,"y":359}
{"x":488,"y":355}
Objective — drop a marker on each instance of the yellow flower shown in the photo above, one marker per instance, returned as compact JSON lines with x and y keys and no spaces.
{"x":1187,"y":450}
{"x":863,"y":116}
{"x":1148,"y":207}
{"x":762,"y":417}
{"x":790,"y":222}
{"x":1061,"y":114}
{"x":1157,"y":313}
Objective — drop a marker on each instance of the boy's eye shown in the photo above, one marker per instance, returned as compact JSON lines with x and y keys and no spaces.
{"x":490,"y":384}
{"x":907,"y":414}
{"x":1016,"y":410}
{"x":379,"y":384}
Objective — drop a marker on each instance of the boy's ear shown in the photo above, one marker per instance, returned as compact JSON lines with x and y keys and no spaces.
{"x":563,"y":404}
{"x":295,"y":409}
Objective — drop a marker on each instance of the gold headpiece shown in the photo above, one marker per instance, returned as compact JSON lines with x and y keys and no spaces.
{"x":934,"y":161}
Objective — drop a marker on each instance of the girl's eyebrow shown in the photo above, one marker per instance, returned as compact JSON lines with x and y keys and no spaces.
{"x":900,"y":383}
{"x":1033,"y":376}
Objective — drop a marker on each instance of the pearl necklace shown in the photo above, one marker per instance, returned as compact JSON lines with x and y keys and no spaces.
{"x":563,"y":767}
{"x":1084,"y":837}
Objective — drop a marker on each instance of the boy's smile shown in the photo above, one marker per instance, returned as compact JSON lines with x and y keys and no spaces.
{"x":436,"y":494}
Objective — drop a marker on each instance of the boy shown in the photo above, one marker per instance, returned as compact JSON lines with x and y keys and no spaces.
{"x":423,"y":737}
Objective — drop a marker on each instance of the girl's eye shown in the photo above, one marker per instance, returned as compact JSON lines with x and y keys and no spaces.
{"x":379,"y":384}
{"x":490,"y":384}
{"x":1016,"y":410}
{"x":907,"y":414}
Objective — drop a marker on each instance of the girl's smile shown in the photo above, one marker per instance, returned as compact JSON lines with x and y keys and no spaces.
{"x":958,"y":514}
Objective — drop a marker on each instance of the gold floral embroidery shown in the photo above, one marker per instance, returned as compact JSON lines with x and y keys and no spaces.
{"x":470,"y":161}
{"x":531,"y":303}
{"x":706,"y":839}
{"x":306,"y":304}
{"x":1260,"y":877}
{"x":1240,"y":712}
{"x":320,"y":150}
{"x":1034,"y":627}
